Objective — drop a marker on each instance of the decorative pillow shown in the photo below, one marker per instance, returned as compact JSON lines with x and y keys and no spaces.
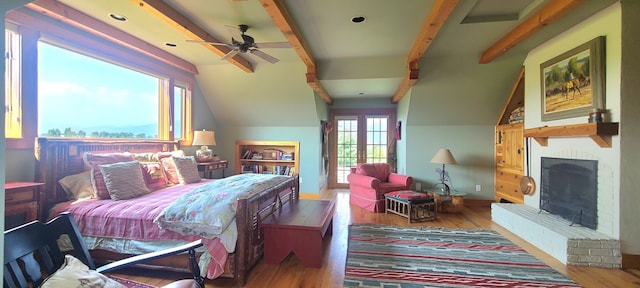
{"x":78,"y":185}
{"x":153,"y":175}
{"x":187,"y":169}
{"x":124,"y":180}
{"x":160,"y":155}
{"x":94,"y":161}
{"x":170,"y":170}
{"x":73,"y":273}
{"x":169,"y":166}
{"x":146,"y":157}
{"x":377,"y":170}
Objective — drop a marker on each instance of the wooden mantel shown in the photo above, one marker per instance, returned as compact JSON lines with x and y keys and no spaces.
{"x":599,"y":132}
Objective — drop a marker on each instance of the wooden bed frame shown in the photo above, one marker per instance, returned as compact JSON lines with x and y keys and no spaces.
{"x":60,"y":157}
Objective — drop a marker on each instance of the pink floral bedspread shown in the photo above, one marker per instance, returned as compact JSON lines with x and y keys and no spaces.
{"x":133,"y":219}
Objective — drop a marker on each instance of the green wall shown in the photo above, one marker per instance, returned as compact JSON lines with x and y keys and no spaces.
{"x":472,"y":146}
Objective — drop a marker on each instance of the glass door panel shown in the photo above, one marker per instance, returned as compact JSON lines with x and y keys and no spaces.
{"x":359,"y":138}
{"x":347,"y":142}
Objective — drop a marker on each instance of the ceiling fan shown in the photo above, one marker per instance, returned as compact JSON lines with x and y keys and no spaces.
{"x":243,"y":43}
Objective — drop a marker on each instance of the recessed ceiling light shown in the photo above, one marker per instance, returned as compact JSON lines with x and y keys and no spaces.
{"x":358,"y":19}
{"x":170,"y":44}
{"x":117,"y":17}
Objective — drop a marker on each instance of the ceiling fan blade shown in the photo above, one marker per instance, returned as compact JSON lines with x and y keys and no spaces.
{"x":230,"y":55}
{"x":273,"y":45}
{"x":211,"y":43}
{"x":235,"y":33}
{"x":264,"y":56}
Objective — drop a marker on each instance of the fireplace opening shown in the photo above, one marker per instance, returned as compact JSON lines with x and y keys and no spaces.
{"x":569,"y":189}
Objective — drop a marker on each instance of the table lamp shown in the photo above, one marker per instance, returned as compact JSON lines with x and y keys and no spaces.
{"x":444,"y":156}
{"x":204,"y":138}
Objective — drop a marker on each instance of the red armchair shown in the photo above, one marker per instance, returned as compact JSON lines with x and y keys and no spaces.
{"x":369,"y":182}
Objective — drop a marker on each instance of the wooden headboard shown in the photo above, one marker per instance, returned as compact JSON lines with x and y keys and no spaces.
{"x":60,"y":157}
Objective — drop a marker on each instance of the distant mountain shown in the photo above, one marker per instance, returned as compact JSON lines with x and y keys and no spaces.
{"x":149,"y":130}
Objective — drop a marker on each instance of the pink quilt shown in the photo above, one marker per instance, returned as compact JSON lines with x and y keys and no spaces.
{"x":133,"y":219}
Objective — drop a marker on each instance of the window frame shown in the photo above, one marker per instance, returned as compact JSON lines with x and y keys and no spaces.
{"x":13,"y":105}
{"x":33,"y":29}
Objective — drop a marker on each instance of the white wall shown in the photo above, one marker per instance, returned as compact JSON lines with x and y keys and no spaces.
{"x":607,"y":23}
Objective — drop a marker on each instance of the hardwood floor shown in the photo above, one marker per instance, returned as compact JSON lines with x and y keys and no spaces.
{"x":291,"y":273}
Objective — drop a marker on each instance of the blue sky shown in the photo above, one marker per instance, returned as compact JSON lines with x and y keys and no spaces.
{"x":79,"y":91}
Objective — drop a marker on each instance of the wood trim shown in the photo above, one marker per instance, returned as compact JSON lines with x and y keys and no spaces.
{"x":75,"y":18}
{"x":599,"y":132}
{"x":29,"y":106}
{"x":173,"y":18}
{"x":439,"y":14}
{"x":281,"y":17}
{"x":630,"y":261}
{"x":516,"y":98}
{"x":547,"y":15}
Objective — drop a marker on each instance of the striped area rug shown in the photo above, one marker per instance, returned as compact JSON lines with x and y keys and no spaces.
{"x":390,"y":256}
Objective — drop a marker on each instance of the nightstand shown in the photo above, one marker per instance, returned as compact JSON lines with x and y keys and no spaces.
{"x":207,"y":168}
{"x":21,"y":203}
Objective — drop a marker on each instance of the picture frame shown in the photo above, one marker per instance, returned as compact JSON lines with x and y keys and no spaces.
{"x":573,"y":83}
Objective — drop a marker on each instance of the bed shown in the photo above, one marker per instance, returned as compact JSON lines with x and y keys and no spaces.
{"x":57,"y":158}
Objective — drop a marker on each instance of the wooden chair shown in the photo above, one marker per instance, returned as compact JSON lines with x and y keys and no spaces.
{"x":31,"y":253}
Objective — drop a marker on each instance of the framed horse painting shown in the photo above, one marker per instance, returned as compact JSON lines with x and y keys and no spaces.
{"x":573,"y":83}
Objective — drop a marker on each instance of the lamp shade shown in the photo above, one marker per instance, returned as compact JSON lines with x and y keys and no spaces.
{"x":204,"y":138}
{"x":444,"y":156}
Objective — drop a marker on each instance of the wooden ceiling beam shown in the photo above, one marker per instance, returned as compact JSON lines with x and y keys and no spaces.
{"x":281,"y":17}
{"x":407,"y":82}
{"x":438,"y":15}
{"x":167,"y":14}
{"x":547,"y":15}
{"x":75,"y":18}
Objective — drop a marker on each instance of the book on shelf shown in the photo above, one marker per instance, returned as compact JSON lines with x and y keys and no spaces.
{"x":287,"y":156}
{"x":253,"y":169}
{"x":246,"y":154}
{"x":283,"y":170}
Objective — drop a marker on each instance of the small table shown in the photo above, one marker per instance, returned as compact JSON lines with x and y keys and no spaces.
{"x":415,"y":206}
{"x":452,"y":203}
{"x":299,"y":227}
{"x":207,"y":168}
{"x":21,"y":203}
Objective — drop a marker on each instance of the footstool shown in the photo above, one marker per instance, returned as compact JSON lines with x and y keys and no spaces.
{"x":415,"y":206}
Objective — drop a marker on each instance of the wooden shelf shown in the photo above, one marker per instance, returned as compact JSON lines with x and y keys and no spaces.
{"x":272,"y":164}
{"x":599,"y":132}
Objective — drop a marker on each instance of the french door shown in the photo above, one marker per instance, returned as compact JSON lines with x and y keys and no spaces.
{"x":360,"y":136}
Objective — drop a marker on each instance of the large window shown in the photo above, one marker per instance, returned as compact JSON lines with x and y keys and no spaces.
{"x":81,"y":96}
{"x":88,"y":89}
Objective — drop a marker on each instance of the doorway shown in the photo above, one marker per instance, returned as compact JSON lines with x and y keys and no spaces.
{"x":360,"y":136}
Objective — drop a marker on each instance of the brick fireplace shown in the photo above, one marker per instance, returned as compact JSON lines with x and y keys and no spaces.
{"x":560,"y":235}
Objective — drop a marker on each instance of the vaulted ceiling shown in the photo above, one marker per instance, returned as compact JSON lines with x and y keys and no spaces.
{"x":332,"y":55}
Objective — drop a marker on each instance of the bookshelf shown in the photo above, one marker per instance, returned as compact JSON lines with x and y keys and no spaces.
{"x":269,"y":157}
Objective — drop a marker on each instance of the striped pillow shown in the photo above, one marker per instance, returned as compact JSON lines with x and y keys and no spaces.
{"x":124,"y":180}
{"x":97,"y":180}
{"x":187,"y":169}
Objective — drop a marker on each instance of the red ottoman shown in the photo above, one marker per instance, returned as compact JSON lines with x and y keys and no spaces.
{"x":415,"y":206}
